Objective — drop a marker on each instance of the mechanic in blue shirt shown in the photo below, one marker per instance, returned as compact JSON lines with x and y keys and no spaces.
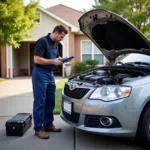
{"x":45,"y":58}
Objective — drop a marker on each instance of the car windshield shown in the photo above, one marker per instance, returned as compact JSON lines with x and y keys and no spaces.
{"x":136,"y":58}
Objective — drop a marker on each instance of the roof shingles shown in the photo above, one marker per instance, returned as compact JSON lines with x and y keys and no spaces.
{"x":69,"y":14}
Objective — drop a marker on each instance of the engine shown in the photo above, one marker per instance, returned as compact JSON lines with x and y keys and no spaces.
{"x":107,"y":77}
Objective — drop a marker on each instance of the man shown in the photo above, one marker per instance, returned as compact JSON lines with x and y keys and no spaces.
{"x":45,"y":58}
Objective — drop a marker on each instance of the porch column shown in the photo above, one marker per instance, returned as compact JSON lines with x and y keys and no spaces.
{"x":29,"y":73}
{"x":7,"y":61}
{"x":67,"y":46}
{"x":63,"y":67}
{"x":65,"y":49}
{"x":11,"y":62}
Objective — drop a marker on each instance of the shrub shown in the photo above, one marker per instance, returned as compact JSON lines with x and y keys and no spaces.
{"x":80,"y":67}
{"x":108,"y":63}
{"x":120,"y":57}
{"x":91,"y":63}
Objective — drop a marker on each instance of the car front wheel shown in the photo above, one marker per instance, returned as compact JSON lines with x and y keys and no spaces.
{"x":143,"y":134}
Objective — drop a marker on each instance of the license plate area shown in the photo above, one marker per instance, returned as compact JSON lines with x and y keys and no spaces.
{"x":67,"y":107}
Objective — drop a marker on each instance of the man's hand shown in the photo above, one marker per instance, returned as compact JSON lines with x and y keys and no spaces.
{"x":43,"y":61}
{"x":59,"y":58}
{"x":57,"y":62}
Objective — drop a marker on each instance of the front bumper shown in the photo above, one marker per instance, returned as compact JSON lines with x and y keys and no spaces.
{"x":81,"y":109}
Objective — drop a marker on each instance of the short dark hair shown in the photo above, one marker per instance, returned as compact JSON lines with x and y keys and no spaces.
{"x":60,"y":29}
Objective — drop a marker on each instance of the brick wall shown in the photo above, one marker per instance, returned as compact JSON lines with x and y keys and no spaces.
{"x":3,"y":62}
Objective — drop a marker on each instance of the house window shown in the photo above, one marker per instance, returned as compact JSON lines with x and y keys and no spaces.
{"x":90,"y":51}
{"x":38,"y":20}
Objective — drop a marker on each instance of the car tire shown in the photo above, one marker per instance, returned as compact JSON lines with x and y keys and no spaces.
{"x":143,"y":133}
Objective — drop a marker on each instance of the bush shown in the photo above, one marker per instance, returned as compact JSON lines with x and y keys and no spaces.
{"x":91,"y":63}
{"x":80,"y":67}
{"x":108,"y":63}
{"x":120,"y":57}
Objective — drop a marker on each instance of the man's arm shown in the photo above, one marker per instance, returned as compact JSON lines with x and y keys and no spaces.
{"x":43,"y":61}
{"x":39,"y":53}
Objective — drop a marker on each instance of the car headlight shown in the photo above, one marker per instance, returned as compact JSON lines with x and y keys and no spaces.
{"x":111,"y":92}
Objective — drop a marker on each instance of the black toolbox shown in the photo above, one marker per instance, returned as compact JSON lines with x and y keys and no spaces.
{"x":19,"y":124}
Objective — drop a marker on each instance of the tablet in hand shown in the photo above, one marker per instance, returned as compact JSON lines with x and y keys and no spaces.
{"x":67,"y":59}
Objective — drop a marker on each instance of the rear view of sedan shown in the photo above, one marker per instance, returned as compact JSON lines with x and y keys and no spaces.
{"x":111,"y":100}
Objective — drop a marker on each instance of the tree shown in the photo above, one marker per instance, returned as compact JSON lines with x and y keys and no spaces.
{"x":136,"y":11}
{"x":16,"y":20}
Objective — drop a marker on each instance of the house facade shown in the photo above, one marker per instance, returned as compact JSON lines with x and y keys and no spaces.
{"x":19,"y":62}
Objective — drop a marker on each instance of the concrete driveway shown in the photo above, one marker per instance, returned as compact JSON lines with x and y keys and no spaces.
{"x":16,"y":96}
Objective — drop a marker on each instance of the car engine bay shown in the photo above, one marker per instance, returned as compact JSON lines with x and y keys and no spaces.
{"x":111,"y":75}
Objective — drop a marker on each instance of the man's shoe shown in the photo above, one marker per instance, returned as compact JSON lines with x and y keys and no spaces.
{"x":42,"y":134}
{"x":52,"y":129}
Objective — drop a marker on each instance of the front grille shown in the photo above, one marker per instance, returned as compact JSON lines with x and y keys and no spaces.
{"x":74,"y":117}
{"x":77,"y":93}
{"x":94,"y":122}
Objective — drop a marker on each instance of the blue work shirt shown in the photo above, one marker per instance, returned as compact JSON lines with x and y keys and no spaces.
{"x":46,"y":48}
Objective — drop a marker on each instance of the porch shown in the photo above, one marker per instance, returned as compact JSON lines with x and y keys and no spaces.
{"x":19,"y":61}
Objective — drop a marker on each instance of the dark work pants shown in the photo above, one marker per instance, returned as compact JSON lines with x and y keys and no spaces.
{"x":44,"y":98}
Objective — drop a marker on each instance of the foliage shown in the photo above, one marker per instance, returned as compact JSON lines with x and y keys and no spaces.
{"x":136,"y":11}
{"x":80,"y":67}
{"x":2,"y":79}
{"x":16,"y":20}
{"x":121,"y":57}
{"x":59,"y":86}
{"x":85,"y":65}
{"x":91,"y":63}
{"x":108,"y":63}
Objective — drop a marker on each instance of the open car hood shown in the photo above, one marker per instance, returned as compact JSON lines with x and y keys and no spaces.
{"x":112,"y":34}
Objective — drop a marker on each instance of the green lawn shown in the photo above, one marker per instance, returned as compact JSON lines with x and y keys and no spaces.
{"x":2,"y":79}
{"x":59,"y":85}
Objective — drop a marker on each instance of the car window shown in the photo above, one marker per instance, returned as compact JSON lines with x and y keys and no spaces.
{"x":136,"y":58}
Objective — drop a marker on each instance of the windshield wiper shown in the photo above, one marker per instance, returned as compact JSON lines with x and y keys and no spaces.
{"x":130,"y":63}
{"x":142,"y":63}
{"x":119,"y":62}
{"x":137,"y":63}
